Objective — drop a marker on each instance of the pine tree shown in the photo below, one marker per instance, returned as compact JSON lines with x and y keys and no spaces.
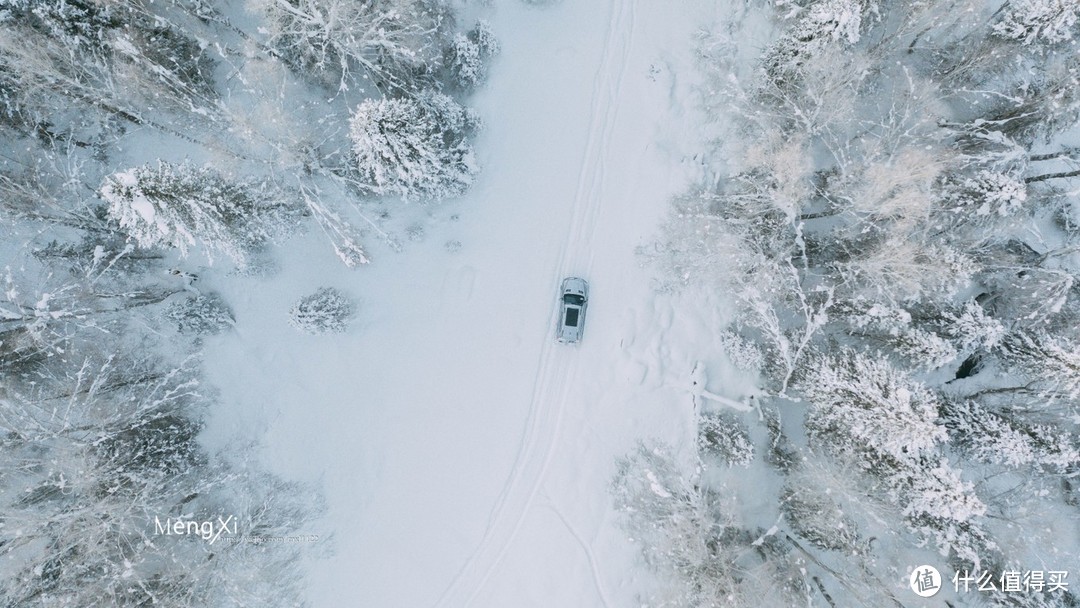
{"x":415,"y":148}
{"x":861,"y":405}
{"x":180,"y":206}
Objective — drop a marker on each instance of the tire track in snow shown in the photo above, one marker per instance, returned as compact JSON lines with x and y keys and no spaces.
{"x":588,"y":201}
{"x":614,"y":89}
{"x":586,"y":547}
{"x":545,"y":414}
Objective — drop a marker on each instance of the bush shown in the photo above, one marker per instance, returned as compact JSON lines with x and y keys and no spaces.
{"x":468,"y":53}
{"x":201,"y":315}
{"x":323,"y":312}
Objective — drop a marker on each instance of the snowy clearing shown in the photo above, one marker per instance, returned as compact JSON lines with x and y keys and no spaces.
{"x":465,"y":456}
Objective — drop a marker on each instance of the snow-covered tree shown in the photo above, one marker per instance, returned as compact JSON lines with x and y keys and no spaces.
{"x":468,"y":54}
{"x":390,"y":43}
{"x":817,"y":24}
{"x":1007,"y":440}
{"x":341,"y":234}
{"x":983,"y":195}
{"x":861,"y":405}
{"x":722,"y":436}
{"x":1037,"y":106}
{"x":1051,"y":363}
{"x":883,"y":231}
{"x":415,"y":148}
{"x":201,"y":315}
{"x":892,"y":325}
{"x":743,"y":353}
{"x":94,"y":447}
{"x":936,"y":491}
{"x":904,"y":269}
{"x":164,"y":64}
{"x":939,"y":505}
{"x":1026,"y":292}
{"x":691,"y":539}
{"x":1045,"y":21}
{"x":113,"y":61}
{"x":98,"y":291}
{"x":180,"y":206}
{"x":970,"y":327}
{"x":325,"y":311}
{"x":871,"y":414}
{"x":817,"y":517}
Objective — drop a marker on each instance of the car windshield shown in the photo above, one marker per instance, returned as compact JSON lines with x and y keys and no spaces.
{"x":572,"y":317}
{"x":575,"y":299}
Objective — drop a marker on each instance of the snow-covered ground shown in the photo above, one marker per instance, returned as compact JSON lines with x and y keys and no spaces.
{"x":465,"y":457}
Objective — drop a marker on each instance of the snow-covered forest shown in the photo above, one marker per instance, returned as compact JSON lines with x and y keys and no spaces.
{"x":146,"y":146}
{"x":892,"y":207}
{"x":279,"y":297}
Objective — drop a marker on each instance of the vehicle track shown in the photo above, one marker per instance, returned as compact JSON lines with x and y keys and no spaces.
{"x":556,"y":364}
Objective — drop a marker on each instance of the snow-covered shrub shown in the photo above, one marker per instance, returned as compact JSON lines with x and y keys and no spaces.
{"x":201,"y":315}
{"x":1047,"y":21}
{"x":325,"y":311}
{"x":167,"y":205}
{"x":863,"y":406}
{"x":467,"y":56}
{"x":415,"y":148}
{"x":723,"y":436}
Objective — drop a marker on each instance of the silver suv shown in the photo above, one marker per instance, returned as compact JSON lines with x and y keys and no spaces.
{"x":573,"y":298}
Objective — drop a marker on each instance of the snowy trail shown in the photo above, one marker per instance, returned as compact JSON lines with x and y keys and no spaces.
{"x":465,"y":456}
{"x":556,"y":361}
